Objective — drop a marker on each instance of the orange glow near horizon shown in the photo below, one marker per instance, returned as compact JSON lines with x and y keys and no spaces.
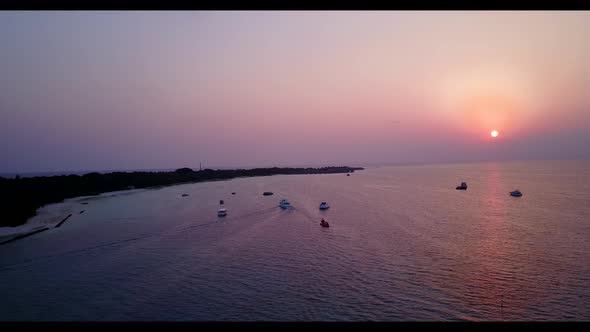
{"x":494,"y":133}
{"x":240,"y":89}
{"x":490,"y":111}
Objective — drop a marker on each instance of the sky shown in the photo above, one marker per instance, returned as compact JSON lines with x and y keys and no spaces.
{"x":146,"y":90}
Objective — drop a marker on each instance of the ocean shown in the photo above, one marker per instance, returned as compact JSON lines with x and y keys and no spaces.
{"x":403,"y":245}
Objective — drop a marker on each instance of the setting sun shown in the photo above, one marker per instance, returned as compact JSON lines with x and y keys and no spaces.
{"x":494,"y":133}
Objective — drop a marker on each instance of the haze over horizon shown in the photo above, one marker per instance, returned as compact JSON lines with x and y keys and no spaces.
{"x":162,"y":90}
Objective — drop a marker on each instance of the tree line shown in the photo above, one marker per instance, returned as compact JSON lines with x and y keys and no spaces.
{"x":21,"y":197}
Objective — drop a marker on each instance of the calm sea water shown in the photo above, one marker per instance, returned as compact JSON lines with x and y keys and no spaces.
{"x":403,"y":244}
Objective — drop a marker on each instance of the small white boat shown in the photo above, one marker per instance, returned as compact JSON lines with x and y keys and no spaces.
{"x":284,"y":204}
{"x":324,"y":206}
{"x":516,"y":193}
{"x":222,"y":212}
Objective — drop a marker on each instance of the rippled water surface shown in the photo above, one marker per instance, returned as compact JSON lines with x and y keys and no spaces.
{"x":403,"y":244}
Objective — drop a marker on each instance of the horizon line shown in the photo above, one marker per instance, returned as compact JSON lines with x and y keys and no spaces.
{"x":369,"y":164}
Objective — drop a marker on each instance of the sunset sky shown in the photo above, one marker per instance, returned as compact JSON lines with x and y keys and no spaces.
{"x":142,"y":90}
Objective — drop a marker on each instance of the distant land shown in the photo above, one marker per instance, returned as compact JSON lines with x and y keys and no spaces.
{"x":22,"y":196}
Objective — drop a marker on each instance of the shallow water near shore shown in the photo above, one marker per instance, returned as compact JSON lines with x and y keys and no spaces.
{"x":403,"y":244}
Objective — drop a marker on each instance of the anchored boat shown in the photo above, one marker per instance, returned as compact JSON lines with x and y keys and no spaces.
{"x":463,"y":186}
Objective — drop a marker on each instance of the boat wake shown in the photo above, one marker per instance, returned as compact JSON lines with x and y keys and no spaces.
{"x":172,"y":231}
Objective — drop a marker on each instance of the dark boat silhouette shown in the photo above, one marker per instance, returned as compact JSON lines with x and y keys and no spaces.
{"x":463,"y":186}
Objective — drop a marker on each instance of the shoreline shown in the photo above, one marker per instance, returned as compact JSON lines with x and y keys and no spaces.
{"x":52,"y":212}
{"x":50,"y":215}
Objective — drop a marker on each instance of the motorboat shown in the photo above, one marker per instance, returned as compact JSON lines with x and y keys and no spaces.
{"x":463,"y":186}
{"x":222,"y":212}
{"x":284,"y":204}
{"x":324,"y":223}
{"x":267,"y":193}
{"x":516,"y":193}
{"x":324,"y":206}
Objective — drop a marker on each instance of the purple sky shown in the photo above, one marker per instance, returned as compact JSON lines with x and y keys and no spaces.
{"x":141,"y":90}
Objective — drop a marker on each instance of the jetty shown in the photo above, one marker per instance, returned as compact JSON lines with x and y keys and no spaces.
{"x":22,"y":236}
{"x":64,"y":220}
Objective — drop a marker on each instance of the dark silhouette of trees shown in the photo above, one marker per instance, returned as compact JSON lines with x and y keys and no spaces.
{"x":21,"y":197}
